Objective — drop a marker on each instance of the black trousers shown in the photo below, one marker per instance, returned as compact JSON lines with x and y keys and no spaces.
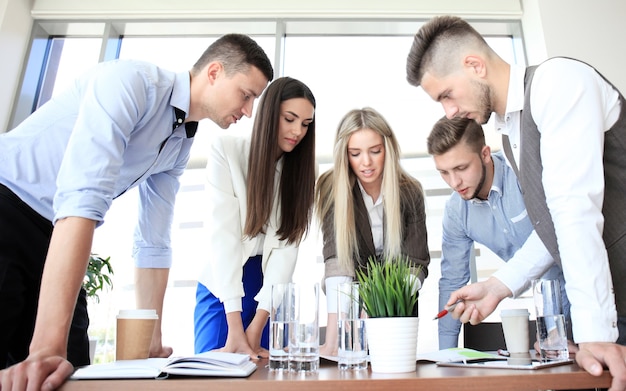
{"x":24,"y":240}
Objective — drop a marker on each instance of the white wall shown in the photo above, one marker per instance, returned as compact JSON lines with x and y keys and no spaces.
{"x":15,"y":26}
{"x":142,"y":9}
{"x":592,"y":31}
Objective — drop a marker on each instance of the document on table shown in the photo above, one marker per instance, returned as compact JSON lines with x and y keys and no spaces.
{"x":219,"y":364}
{"x":504,"y":364}
{"x":457,"y":354}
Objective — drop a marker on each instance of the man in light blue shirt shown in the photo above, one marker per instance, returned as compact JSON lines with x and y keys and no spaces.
{"x":486,"y":207}
{"x":123,"y":124}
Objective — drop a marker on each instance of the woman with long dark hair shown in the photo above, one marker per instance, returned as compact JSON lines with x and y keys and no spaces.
{"x":261,"y":192}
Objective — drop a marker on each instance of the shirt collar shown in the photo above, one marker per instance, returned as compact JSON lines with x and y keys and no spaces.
{"x":496,"y":184}
{"x":367,"y":196}
{"x":180,"y":101}
{"x":515,"y":95}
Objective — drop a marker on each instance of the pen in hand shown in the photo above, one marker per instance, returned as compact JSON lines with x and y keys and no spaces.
{"x":445,"y":311}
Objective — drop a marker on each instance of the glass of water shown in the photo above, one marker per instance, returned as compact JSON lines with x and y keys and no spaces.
{"x":551,"y":331}
{"x":352,"y":350}
{"x":281,"y":318}
{"x":304,"y":337}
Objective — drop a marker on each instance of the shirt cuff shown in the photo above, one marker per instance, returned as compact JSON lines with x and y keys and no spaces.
{"x":592,"y":325}
{"x":153,"y":257}
{"x":232,"y":305}
{"x":415,"y":282}
{"x":516,"y":283}
{"x":332,"y":283}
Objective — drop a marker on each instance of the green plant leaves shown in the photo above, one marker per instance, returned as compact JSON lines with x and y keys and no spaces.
{"x":386,"y":288}
{"x":98,"y":276}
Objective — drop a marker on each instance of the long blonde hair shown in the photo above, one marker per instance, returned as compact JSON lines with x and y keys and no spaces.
{"x":334,"y":187}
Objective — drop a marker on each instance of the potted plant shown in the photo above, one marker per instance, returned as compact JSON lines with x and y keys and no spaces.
{"x":390,"y":300}
{"x":98,"y":278}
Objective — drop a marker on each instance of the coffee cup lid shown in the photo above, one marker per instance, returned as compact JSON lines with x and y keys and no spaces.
{"x":515,"y":312}
{"x":137,"y":314}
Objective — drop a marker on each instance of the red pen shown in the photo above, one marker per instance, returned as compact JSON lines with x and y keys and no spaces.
{"x":445,"y":311}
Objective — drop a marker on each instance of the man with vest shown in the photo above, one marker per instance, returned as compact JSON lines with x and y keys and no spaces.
{"x":564,"y":134}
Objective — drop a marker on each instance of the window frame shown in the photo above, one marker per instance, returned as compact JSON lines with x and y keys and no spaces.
{"x":41,"y":62}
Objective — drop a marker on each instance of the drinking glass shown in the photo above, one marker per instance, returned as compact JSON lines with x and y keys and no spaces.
{"x":551,"y":332}
{"x":304,"y":337}
{"x":352,"y":350}
{"x":281,"y":317}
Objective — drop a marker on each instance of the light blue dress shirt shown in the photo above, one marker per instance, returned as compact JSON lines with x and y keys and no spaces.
{"x":112,"y":130}
{"x":500,"y":223}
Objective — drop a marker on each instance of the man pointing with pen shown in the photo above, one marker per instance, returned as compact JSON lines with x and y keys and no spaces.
{"x":486,"y":207}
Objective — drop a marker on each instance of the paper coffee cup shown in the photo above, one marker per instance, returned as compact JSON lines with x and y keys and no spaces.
{"x":134,"y":333}
{"x":515,"y":328}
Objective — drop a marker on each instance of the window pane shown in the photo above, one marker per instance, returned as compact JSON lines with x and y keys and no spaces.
{"x":68,"y":57}
{"x":349,"y":72}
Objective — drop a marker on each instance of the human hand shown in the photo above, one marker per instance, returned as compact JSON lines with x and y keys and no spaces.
{"x":156,"y":346}
{"x":328,"y":350}
{"x":477,"y":300}
{"x":161,"y":351}
{"x":237,"y":342}
{"x":254,"y":341}
{"x":254,"y":332}
{"x":261,"y":352}
{"x":592,"y":356}
{"x":37,"y":372}
{"x":572,"y":348}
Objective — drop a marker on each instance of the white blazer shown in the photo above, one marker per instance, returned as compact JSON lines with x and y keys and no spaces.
{"x":227,"y":169}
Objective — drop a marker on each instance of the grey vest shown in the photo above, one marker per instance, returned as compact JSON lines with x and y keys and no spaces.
{"x":614,"y":206}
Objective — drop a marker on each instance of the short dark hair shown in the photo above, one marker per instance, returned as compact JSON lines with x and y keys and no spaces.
{"x":435,"y":45}
{"x":448,"y":133}
{"x":236,"y":52}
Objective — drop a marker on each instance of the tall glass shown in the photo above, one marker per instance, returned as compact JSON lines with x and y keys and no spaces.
{"x":281,"y":317}
{"x":304,"y":337}
{"x":352,"y":350}
{"x":551,"y":332}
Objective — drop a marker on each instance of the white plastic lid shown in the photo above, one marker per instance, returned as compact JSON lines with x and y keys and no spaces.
{"x":515,"y":312}
{"x":137,"y":314}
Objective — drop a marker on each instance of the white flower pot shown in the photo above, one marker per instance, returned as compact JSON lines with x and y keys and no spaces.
{"x":392,"y":344}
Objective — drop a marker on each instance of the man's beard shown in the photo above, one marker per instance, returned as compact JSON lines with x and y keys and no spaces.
{"x":481,"y":182}
{"x":484,"y":100}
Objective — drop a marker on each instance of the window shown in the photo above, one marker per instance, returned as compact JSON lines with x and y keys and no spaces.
{"x":347,"y":65}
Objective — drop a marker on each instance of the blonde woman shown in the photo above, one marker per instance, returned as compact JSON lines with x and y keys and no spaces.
{"x":369,"y":207}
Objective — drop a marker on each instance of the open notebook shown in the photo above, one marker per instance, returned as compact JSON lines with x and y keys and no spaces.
{"x":203,"y":364}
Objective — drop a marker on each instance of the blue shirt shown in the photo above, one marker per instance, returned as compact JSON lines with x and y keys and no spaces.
{"x":112,"y":130}
{"x":500,"y":223}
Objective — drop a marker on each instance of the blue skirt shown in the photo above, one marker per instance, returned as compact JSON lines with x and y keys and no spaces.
{"x":210,"y":327}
